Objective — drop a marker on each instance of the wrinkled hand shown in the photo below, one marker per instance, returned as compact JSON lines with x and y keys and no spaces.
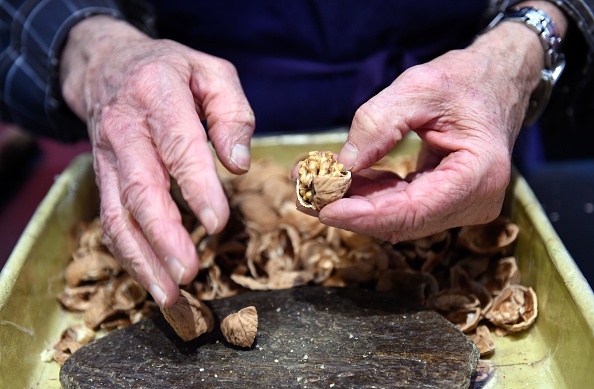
{"x":143,"y":100}
{"x":467,"y":107}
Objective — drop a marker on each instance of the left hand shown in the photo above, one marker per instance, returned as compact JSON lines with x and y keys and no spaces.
{"x":467,"y":106}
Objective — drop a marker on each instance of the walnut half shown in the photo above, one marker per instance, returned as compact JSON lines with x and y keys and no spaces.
{"x":321,"y":180}
{"x":240,"y":328}
{"x":189,"y":317}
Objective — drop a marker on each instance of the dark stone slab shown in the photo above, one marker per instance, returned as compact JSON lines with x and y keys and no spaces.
{"x":307,"y":337}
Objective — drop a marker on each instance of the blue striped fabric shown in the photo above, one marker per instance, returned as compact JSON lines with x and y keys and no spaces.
{"x":32,"y":35}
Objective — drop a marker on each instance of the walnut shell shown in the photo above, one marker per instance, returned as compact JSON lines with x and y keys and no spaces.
{"x":503,"y":273}
{"x":72,"y":338}
{"x":515,"y":309}
{"x":321,"y":180}
{"x":458,"y":307}
{"x":189,"y":317}
{"x":489,"y":238}
{"x":240,"y":328}
{"x":91,"y":265}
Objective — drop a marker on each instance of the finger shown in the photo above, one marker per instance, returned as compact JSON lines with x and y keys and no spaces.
{"x":433,"y":202}
{"x":369,"y":183}
{"x":376,"y":175}
{"x":126,"y":240}
{"x":383,"y":121}
{"x":145,"y":184}
{"x":228,"y":114}
{"x":182,"y":145}
{"x":392,"y":216}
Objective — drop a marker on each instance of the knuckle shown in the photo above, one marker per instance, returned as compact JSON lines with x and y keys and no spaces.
{"x":147,"y":71}
{"x":112,"y":226}
{"x":175,"y":146}
{"x":368,"y":116}
{"x":242,"y":116}
{"x":224,"y":66}
{"x":136,"y":193}
{"x":136,"y":266}
{"x":192,"y":185}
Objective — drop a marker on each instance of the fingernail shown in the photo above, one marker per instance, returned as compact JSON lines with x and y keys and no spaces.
{"x":176,"y":269}
{"x":158,"y":294}
{"x":241,"y":156}
{"x":208,"y":219}
{"x":348,"y":155}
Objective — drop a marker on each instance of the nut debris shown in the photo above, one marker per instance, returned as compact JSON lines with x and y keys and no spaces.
{"x":321,"y":180}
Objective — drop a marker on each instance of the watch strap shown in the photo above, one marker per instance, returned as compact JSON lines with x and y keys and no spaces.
{"x":554,"y":61}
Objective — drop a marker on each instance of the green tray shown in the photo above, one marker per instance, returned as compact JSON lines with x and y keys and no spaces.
{"x":555,"y":353}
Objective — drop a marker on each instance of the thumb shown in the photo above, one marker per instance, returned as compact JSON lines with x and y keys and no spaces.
{"x":382,"y":122}
{"x":377,"y":126}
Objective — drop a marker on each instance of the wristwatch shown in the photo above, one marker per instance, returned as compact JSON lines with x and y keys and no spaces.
{"x":554,"y":61}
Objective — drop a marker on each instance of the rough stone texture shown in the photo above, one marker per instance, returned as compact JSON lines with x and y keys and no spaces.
{"x":307,"y":337}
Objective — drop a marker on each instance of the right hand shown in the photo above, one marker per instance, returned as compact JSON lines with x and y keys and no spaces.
{"x":143,"y":100}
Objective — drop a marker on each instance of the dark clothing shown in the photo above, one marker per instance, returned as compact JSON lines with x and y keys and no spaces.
{"x":304,"y":65}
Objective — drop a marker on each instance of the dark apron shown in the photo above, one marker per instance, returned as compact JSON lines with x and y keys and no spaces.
{"x":308,"y":65}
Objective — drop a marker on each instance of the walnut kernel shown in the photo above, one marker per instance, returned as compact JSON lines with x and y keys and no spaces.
{"x":321,"y":180}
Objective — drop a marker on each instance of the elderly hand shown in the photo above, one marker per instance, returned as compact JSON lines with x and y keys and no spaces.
{"x":467,"y":107}
{"x":143,"y":100}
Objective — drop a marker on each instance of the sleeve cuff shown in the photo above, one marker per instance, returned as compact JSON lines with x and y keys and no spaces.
{"x":32,"y":94}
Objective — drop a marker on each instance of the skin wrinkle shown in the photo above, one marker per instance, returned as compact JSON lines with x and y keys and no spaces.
{"x":191,"y":188}
{"x":417,"y":217}
{"x":137,"y":256}
{"x":173,"y":143}
{"x":110,"y":132}
{"x":230,"y":138}
{"x":237,"y":117}
{"x":134,"y":201}
{"x":137,"y":197}
{"x":138,"y":192}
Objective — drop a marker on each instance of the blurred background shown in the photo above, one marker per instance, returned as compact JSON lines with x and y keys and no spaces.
{"x":565,"y":189}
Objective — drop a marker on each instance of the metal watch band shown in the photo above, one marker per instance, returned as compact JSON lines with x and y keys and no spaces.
{"x":554,"y":61}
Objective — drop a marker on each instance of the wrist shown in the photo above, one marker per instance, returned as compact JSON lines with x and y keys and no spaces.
{"x":89,"y":41}
{"x":517,"y":57}
{"x":541,"y":25}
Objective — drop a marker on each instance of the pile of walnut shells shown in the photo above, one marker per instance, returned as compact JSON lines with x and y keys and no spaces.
{"x":466,"y":274}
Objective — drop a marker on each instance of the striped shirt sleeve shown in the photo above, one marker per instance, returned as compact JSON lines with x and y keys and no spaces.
{"x":32,"y":34}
